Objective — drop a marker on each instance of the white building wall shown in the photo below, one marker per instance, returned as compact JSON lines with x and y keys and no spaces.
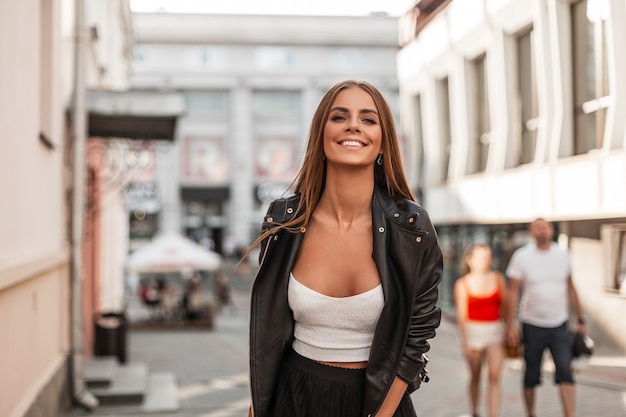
{"x":421,"y":62}
{"x":583,"y":192}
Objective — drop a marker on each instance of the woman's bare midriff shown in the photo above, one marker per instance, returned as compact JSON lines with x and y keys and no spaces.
{"x":348,"y":365}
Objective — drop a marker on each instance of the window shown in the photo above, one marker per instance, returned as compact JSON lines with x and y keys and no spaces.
{"x":393,"y":99}
{"x":203,"y":57}
{"x":206,"y":101}
{"x":347,"y":59}
{"x":527,"y":96}
{"x":619,"y":275}
{"x":443,"y":100}
{"x":274,"y":58}
{"x":479,"y":151}
{"x":614,"y":238}
{"x":276,"y":102}
{"x":591,"y":93}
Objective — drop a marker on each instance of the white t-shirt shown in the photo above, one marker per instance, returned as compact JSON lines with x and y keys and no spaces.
{"x":544,"y":274}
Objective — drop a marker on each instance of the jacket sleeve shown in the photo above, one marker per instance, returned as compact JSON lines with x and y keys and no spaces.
{"x":425,"y":317}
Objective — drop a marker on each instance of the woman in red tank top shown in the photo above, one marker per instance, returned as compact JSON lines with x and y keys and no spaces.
{"x":479,"y":296}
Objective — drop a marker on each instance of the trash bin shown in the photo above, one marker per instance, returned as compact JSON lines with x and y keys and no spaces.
{"x":110,"y":335}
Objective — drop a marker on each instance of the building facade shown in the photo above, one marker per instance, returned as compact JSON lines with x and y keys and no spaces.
{"x":250,"y":85}
{"x":40,"y":81}
{"x":515,"y":110}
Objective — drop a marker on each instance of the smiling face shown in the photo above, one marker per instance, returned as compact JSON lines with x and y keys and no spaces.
{"x":352,"y":133}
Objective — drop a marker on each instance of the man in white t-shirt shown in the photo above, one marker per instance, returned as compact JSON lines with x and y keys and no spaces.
{"x":544,"y":272}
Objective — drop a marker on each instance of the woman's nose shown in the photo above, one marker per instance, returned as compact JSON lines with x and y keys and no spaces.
{"x":353,"y":124}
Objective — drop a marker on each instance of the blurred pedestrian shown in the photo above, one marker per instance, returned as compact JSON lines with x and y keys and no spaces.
{"x":223,"y":291}
{"x":344,"y":301}
{"x":543,"y":270}
{"x":194,"y":303}
{"x":480,"y":297}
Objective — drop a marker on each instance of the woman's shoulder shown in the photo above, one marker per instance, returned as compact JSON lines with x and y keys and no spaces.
{"x":283,"y":209}
{"x":405,"y":212}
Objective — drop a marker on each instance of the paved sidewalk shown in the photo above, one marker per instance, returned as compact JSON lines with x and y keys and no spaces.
{"x":601,"y":389}
{"x":211,"y":368}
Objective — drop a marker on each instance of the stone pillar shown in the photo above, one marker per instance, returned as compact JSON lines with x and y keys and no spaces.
{"x":167,"y":160}
{"x":241,"y":151}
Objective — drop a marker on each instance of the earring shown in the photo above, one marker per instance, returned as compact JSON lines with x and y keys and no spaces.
{"x":379,"y":160}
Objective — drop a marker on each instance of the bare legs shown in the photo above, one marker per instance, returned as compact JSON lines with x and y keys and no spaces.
{"x":529,"y":401}
{"x":494,"y":357}
{"x":474,"y":360}
{"x":568,"y":399}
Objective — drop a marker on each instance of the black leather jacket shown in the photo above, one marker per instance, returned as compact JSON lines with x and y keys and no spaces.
{"x":409,"y":262}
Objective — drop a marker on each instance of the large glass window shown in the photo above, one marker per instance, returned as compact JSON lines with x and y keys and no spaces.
{"x":527,"y":96}
{"x":591,"y":92}
{"x":619,"y":275}
{"x":275,"y":58}
{"x":276,"y":132}
{"x":275,"y":101}
{"x":614,"y":238}
{"x":346,"y":59}
{"x":443,"y":98}
{"x":482,"y":121}
{"x":206,"y":101}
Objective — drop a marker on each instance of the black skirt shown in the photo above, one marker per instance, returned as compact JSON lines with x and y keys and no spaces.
{"x":310,"y":389}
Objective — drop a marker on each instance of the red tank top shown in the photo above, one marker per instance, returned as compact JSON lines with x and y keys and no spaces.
{"x":483,"y":308}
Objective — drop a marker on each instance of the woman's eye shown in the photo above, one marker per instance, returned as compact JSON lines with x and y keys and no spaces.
{"x":370,"y":121}
{"x":337,"y":118}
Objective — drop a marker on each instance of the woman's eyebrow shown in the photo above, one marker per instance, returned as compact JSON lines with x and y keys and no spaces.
{"x":344,"y":109}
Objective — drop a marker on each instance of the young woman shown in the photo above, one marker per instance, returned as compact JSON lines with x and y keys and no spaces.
{"x":479,"y":296}
{"x":344,"y":299}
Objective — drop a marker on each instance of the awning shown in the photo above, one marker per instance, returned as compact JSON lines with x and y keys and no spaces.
{"x":172,"y":252}
{"x":134,"y":114}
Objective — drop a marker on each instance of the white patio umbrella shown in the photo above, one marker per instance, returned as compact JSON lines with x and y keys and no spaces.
{"x":172,"y":252}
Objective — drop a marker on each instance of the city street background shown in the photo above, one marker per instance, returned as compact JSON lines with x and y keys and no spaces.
{"x":211,"y":370}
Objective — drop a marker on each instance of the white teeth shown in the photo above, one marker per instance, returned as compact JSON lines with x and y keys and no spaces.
{"x":351,"y":143}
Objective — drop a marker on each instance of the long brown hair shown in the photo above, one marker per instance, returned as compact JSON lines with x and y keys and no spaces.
{"x":311,"y":178}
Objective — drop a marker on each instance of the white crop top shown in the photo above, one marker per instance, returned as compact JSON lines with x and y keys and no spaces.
{"x":334,"y":329}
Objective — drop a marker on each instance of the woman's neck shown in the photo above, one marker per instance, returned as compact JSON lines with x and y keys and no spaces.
{"x":478,"y":274}
{"x":346,"y":198}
